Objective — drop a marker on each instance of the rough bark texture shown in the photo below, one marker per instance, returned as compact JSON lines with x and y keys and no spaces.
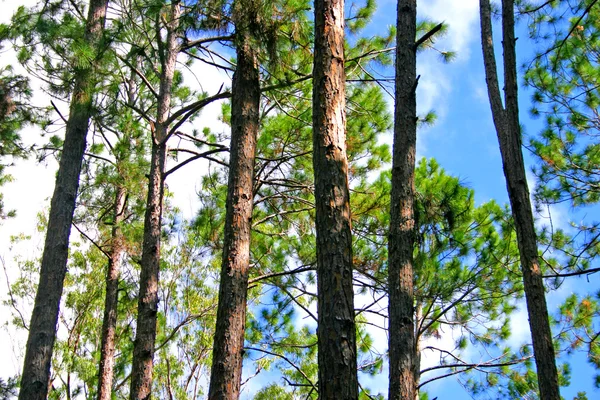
{"x":336,"y":332}
{"x":42,"y":329}
{"x":402,"y":342}
{"x":143,"y":349}
{"x":228,"y":349}
{"x":109,"y":323}
{"x":506,"y":121}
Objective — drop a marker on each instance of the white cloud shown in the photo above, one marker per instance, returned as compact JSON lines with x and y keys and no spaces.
{"x":435,"y":85}
{"x":461,"y":16}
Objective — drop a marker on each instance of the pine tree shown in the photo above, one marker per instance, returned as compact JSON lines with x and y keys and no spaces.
{"x":175,"y":20}
{"x":42,"y":331}
{"x":337,"y":331}
{"x":402,"y":342}
{"x":565,"y":81}
{"x":143,"y":351}
{"x":228,"y":349}
{"x":506,"y":121}
{"x":128,"y":152}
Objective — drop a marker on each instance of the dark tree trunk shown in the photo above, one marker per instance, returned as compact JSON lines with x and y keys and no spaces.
{"x":402,"y":342}
{"x":506,"y":121}
{"x":143,"y":349}
{"x":228,"y":347}
{"x":42,"y":329}
{"x":109,"y":323}
{"x":336,"y":330}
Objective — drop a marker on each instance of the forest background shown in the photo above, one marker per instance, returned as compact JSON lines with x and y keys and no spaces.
{"x":461,"y":139}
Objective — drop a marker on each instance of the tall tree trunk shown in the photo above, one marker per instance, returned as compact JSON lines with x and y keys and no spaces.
{"x":42,"y":329}
{"x":109,"y":323}
{"x":403,"y":374}
{"x":107,"y":349}
{"x":506,"y":121}
{"x":228,"y":349}
{"x":143,"y":349}
{"x":336,"y":331}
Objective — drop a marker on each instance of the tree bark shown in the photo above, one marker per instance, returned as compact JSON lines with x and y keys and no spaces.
{"x":336,"y":331}
{"x":228,"y":349}
{"x":403,"y":374}
{"x":42,"y":330}
{"x":143,"y":349}
{"x":506,"y":121}
{"x":109,"y":323}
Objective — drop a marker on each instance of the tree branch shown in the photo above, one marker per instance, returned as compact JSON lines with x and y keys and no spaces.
{"x":197,"y":156}
{"x":428,"y":35}
{"x":302,"y":268}
{"x":287,"y":360}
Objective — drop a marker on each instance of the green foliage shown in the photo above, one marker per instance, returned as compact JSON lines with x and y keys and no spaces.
{"x":565,"y":78}
{"x":565,"y":82}
{"x":16,"y":112}
{"x":50,"y":39}
{"x":8,"y":388}
{"x":467,"y":278}
{"x":426,"y":26}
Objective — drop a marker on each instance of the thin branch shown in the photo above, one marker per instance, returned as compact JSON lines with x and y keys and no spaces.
{"x":189,"y":44}
{"x":303,"y":268}
{"x":197,"y":156}
{"x":92,"y":241}
{"x":85,"y":154}
{"x":198,"y":140}
{"x":575,"y":25}
{"x":122,"y":383}
{"x":428,"y":35}
{"x":140,"y":74}
{"x":190,"y":318}
{"x":468,"y":367}
{"x":288,"y":361}
{"x":13,"y":303}
{"x":192,"y":108}
{"x":58,"y":111}
{"x":577,"y":273}
{"x":445,"y":310}
{"x":536,"y":9}
{"x":285,"y":212}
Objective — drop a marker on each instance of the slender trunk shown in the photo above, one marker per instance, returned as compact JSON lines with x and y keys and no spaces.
{"x":402,"y":342}
{"x":228,"y":349}
{"x":109,"y":323}
{"x":336,"y":332}
{"x":506,"y":121}
{"x":42,"y":330}
{"x":417,"y":323}
{"x":107,"y":349}
{"x":143,"y":349}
